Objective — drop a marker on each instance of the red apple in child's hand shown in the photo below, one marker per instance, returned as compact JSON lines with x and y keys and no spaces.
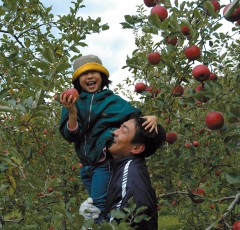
{"x":69,"y":92}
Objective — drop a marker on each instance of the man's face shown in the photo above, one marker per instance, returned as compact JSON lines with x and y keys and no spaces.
{"x":123,"y":136}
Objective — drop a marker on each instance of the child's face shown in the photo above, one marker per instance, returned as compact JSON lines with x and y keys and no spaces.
{"x":91,"y":81}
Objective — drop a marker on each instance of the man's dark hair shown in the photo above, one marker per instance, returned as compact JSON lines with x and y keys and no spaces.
{"x":151,"y":140}
{"x":105,"y":82}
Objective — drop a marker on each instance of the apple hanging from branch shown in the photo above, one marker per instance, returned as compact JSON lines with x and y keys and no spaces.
{"x":214,"y":120}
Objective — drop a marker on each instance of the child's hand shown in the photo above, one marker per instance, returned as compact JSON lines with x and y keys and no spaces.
{"x":150,"y":123}
{"x":68,"y":102}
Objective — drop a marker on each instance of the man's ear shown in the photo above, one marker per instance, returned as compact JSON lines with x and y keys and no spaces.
{"x":138,"y":148}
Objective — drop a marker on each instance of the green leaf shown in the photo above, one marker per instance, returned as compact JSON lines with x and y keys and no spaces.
{"x":233,"y":178}
{"x":62,"y":66}
{"x":197,"y":13}
{"x":186,"y":22}
{"x":140,"y":218}
{"x":154,"y":20}
{"x":182,"y":5}
{"x":3,"y":102}
{"x":176,"y":3}
{"x":150,"y":29}
{"x":210,"y":9}
{"x":41,"y":65}
{"x":231,"y":8}
{"x":141,"y":209}
{"x":118,"y":213}
{"x":5,"y":108}
{"x":21,"y":107}
{"x":48,"y":54}
{"x":74,"y":49}
{"x":235,"y":110}
{"x":27,"y":42}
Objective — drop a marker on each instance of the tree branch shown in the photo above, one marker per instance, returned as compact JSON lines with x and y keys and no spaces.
{"x":229,"y":209}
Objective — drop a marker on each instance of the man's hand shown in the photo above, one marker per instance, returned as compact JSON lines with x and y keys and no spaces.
{"x":88,"y":210}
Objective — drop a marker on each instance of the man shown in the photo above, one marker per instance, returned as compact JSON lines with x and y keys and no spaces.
{"x":131,"y":145}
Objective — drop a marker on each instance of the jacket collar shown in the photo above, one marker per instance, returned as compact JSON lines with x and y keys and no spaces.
{"x":121,"y":161}
{"x":98,"y":95}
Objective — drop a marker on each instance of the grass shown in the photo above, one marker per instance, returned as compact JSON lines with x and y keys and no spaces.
{"x":168,"y":222}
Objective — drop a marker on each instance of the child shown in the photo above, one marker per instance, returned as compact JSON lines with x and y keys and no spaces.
{"x":88,"y":122}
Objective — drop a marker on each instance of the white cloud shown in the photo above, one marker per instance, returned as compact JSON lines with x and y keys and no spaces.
{"x":113,"y":45}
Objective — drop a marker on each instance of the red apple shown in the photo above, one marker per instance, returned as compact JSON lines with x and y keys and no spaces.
{"x":192,"y":53}
{"x":171,"y":137}
{"x":218,"y":172}
{"x":212,"y":206}
{"x":199,"y":88}
{"x":69,"y":92}
{"x":140,"y":87}
{"x":171,"y":40}
{"x":71,"y":179}
{"x":234,"y":16}
{"x":153,"y":92}
{"x":45,"y":131}
{"x":216,"y":5}
{"x":160,"y":11}
{"x":174,"y":203}
{"x":236,"y":225}
{"x":51,"y":176}
{"x":214,"y":120}
{"x":212,"y":76}
{"x":187,"y":145}
{"x":177,"y":90}
{"x":201,"y":72}
{"x":201,"y":131}
{"x":74,"y":167}
{"x":151,"y":3}
{"x":80,"y":165}
{"x":185,"y":30}
{"x":55,"y":97}
{"x":5,"y":151}
{"x":154,"y":58}
{"x":197,"y":194}
{"x":195,"y":143}
{"x":50,"y":189}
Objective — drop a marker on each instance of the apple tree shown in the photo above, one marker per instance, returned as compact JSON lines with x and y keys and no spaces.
{"x":39,"y":185}
{"x":186,"y":66}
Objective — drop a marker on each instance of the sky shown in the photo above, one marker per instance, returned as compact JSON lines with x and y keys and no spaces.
{"x":113,"y":45}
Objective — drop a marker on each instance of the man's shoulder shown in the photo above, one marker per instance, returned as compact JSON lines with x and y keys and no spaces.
{"x":138,"y":164}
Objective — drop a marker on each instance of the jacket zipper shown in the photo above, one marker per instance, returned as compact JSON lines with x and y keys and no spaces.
{"x":89,"y":119}
{"x":110,"y":180}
